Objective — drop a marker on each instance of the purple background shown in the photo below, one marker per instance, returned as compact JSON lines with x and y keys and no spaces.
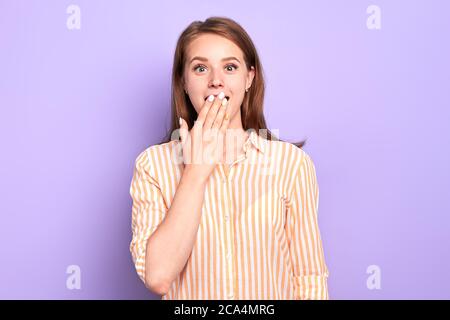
{"x":77,"y":106}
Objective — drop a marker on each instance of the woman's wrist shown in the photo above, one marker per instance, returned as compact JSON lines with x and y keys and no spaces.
{"x":193,"y":175}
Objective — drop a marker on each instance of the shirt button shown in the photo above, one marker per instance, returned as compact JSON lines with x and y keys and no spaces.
{"x":226,"y":218}
{"x":230,"y":296}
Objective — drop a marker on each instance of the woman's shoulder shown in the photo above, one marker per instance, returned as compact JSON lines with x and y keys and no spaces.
{"x":287,"y":150}
{"x":156,"y":154}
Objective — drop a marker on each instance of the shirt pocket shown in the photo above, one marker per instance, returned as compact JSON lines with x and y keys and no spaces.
{"x":272,"y":210}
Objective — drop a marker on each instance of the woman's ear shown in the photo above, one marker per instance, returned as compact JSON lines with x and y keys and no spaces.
{"x":184,"y":85}
{"x":250,"y":76}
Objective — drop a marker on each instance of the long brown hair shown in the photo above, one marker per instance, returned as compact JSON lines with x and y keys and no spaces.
{"x":252,"y":107}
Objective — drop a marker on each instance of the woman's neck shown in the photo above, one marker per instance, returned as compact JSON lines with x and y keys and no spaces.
{"x":234,"y":141}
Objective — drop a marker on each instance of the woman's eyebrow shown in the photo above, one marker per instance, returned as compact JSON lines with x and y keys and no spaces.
{"x":205,"y":59}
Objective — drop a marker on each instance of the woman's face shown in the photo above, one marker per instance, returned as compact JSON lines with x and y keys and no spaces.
{"x":215,"y":64}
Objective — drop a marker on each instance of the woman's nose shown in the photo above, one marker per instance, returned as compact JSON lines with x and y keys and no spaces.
{"x":216,"y":79}
{"x":216,"y":83}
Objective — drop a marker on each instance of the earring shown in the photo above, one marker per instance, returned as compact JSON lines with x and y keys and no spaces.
{"x":246,"y":90}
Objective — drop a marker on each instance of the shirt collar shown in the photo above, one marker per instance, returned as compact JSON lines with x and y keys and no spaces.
{"x":256,"y":141}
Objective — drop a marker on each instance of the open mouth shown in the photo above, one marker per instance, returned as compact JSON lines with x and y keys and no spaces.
{"x":227,"y":97}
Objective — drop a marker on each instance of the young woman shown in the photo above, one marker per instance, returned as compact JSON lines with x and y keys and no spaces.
{"x":228,"y":212}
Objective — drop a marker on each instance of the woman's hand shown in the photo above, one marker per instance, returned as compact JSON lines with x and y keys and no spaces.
{"x":203,"y":145}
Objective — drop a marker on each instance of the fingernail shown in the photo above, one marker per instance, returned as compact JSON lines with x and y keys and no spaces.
{"x":226,"y":116}
{"x":211,"y":98}
{"x":221,"y":95}
{"x":224,"y":102}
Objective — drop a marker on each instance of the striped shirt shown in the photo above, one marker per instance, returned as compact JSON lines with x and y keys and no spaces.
{"x":258,"y":236}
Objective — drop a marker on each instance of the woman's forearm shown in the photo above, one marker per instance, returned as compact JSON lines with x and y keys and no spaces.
{"x":170,"y":246}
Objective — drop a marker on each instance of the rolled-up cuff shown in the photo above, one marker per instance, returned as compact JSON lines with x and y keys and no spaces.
{"x":139,"y":264}
{"x":313,"y":287}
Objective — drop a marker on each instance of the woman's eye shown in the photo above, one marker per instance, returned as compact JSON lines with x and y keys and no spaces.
{"x":231,"y":66}
{"x":199,"y":66}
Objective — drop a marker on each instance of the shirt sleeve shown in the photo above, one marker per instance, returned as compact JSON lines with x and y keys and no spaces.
{"x":148,"y":210}
{"x":309,"y":271}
